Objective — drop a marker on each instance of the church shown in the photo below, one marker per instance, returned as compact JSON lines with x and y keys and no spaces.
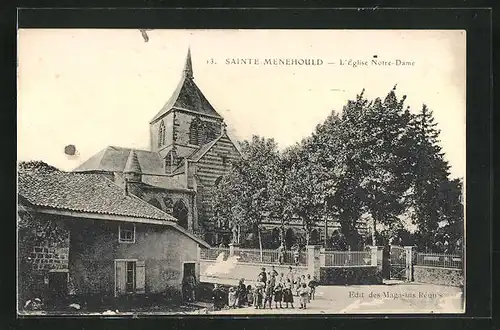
{"x":189,"y":151}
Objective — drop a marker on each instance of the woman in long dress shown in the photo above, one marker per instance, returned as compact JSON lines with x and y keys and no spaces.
{"x":287,"y":294}
{"x":241,"y":293}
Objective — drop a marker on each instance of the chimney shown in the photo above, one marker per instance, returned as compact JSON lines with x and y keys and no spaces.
{"x":125,"y":187}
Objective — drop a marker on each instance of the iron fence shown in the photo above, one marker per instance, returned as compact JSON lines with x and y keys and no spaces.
{"x":347,"y":258}
{"x":439,"y":260}
{"x":271,"y":257}
{"x":213,"y":253}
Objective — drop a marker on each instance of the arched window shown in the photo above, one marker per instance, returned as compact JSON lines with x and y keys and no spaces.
{"x":169,"y":205}
{"x":155,"y":203}
{"x":196,"y":131}
{"x":161,"y":134}
{"x":180,"y":212}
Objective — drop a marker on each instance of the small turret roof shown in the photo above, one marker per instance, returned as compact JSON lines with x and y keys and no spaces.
{"x":132,"y":165}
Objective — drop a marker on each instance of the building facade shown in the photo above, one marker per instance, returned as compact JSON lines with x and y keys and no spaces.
{"x":85,"y":236}
{"x":189,"y":150}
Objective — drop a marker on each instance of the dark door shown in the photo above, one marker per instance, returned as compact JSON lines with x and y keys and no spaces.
{"x":188,"y":275}
{"x":58,"y":285}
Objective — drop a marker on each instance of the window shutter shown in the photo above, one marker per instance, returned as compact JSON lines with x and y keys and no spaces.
{"x":140,"y":279}
{"x":121,"y":279}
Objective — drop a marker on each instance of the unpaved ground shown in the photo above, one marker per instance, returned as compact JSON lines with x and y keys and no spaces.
{"x":368,"y":299}
{"x":398,"y":298}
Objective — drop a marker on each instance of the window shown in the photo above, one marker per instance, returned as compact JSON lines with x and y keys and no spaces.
{"x":224,"y":160}
{"x":161,"y":134}
{"x":196,"y":130}
{"x":130,"y":277}
{"x":126,"y":233}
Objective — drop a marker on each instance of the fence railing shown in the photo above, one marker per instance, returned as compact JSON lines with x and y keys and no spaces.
{"x":254,"y":256}
{"x":270,"y":256}
{"x":439,"y":260}
{"x":347,"y":258}
{"x":213,"y":253}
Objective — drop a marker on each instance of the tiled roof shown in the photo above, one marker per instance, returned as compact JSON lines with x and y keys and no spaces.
{"x":92,"y":193}
{"x":114,"y":159}
{"x":188,"y":96}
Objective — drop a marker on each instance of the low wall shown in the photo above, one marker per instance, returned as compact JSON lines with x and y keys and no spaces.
{"x":438,"y":275}
{"x":231,"y":273}
{"x":350,"y":275}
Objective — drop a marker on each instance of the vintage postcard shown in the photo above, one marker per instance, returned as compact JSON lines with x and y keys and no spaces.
{"x":241,"y":172}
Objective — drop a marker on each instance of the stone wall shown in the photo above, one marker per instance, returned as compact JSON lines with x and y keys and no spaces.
{"x":438,"y":275}
{"x":48,"y":257}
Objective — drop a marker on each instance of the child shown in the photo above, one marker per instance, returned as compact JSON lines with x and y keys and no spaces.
{"x":311,"y":283}
{"x":287,"y":294}
{"x":249,"y":295}
{"x":278,"y":295}
{"x":217,"y":296}
{"x":269,"y":295}
{"x":304,"y":296}
{"x":298,"y":285}
{"x":232,"y":298}
{"x":258,"y":298}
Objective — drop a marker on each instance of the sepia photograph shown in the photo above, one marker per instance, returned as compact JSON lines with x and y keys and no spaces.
{"x":240,"y":172}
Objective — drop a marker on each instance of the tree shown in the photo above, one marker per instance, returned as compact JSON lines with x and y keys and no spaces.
{"x":430,"y":192}
{"x":243,"y":196}
{"x":387,"y":159}
{"x":302,"y":195}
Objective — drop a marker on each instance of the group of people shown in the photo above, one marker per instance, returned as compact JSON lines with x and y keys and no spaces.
{"x":271,"y":287}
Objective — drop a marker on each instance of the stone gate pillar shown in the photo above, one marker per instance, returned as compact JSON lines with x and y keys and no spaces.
{"x":377,"y":253}
{"x":313,"y":260}
{"x":409,"y":262}
{"x":322,"y":257}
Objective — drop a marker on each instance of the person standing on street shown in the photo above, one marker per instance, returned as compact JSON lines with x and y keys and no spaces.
{"x":281,"y":254}
{"x":263,"y":276}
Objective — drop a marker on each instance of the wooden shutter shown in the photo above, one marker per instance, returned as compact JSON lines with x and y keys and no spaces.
{"x":121,"y":277}
{"x":140,"y":276}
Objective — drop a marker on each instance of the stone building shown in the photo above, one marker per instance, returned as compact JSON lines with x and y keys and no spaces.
{"x":85,"y":236}
{"x":189,"y":150}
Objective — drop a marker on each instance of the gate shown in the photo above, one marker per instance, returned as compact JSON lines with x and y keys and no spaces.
{"x":397,"y":263}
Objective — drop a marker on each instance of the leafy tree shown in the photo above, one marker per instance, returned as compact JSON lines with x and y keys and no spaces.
{"x":243,"y":196}
{"x":303,"y":196}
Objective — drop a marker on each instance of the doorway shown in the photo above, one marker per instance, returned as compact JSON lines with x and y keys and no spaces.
{"x":58,"y":285}
{"x":188,"y":281}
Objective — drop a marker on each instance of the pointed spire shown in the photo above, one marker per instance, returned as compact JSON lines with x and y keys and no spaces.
{"x":188,"y":67}
{"x":132,"y":165}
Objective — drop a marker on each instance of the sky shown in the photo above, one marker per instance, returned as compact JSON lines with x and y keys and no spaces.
{"x":94,"y":88}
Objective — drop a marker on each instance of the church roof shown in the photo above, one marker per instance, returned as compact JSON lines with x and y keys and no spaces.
{"x":114,"y":159}
{"x":187,"y":95}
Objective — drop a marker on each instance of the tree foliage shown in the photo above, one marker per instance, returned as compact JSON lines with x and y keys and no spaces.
{"x":376,"y":158}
